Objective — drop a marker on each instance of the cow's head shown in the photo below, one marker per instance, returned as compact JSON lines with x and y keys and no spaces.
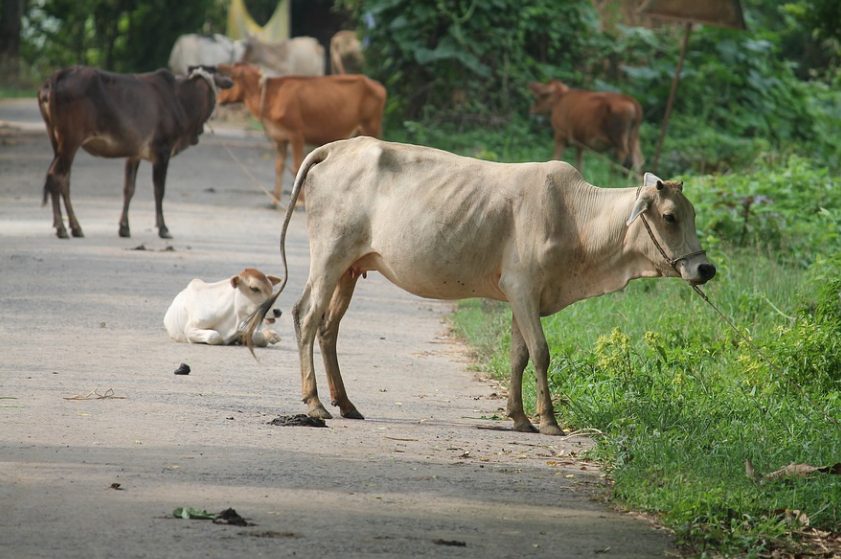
{"x":240,"y":75}
{"x":252,"y":287}
{"x":210,"y":73}
{"x":545,"y":95}
{"x":670,"y":220}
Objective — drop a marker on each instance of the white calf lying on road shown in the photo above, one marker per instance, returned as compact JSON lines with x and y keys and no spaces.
{"x":209,"y":313}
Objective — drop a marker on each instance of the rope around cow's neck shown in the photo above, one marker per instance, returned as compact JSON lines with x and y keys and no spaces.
{"x":673,"y":263}
{"x":202,"y":73}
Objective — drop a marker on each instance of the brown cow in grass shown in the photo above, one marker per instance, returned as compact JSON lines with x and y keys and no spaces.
{"x":150,"y":116}
{"x":597,"y":120}
{"x":306,"y":110}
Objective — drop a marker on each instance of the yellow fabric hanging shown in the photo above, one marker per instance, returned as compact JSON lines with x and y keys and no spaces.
{"x":241,"y":24}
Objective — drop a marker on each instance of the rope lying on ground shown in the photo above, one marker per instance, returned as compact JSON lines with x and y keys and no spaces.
{"x":248,"y":172}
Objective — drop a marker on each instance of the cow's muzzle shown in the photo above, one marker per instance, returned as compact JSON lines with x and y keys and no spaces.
{"x":706,"y":272}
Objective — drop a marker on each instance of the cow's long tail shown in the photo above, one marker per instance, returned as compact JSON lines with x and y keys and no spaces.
{"x":46,"y":101}
{"x":250,"y":324}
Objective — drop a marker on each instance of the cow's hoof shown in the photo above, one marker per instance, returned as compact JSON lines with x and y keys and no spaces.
{"x":551,"y":429}
{"x":318,"y":411}
{"x":163,"y":233}
{"x":77,"y":232}
{"x":125,"y":231}
{"x":525,"y":427}
{"x":62,"y":234}
{"x":352,"y":413}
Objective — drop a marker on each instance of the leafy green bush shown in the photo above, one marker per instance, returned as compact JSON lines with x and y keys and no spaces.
{"x":791,"y":209}
{"x":447,"y":58}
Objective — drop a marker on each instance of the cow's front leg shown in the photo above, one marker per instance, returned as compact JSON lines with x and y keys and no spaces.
{"x":264,"y":337}
{"x":519,"y":360}
{"x":159,"y":179}
{"x":203,"y":336}
{"x":579,"y":158}
{"x":560,"y":146}
{"x":327,"y":336}
{"x":525,"y":310}
{"x":128,"y":193}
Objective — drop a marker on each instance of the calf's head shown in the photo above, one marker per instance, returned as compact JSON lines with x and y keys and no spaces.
{"x":670,"y":220}
{"x":252,"y":288}
{"x":545,"y":95}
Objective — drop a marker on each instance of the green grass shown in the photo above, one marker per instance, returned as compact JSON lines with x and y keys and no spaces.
{"x":682,"y":401}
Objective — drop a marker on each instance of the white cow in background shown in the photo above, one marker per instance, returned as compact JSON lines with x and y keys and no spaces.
{"x":194,"y":50}
{"x":299,"y":56}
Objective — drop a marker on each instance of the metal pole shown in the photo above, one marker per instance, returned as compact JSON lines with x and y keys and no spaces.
{"x":671,"y":100}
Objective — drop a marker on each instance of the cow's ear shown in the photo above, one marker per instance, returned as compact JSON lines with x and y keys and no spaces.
{"x":235,"y":282}
{"x":274,"y":279}
{"x":641,"y":205}
{"x":650,"y":179}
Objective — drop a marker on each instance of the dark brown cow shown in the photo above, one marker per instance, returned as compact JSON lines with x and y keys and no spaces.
{"x":150,"y":116}
{"x":597,"y":120}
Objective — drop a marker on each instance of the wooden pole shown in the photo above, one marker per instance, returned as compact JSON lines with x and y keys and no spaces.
{"x":672,"y":93}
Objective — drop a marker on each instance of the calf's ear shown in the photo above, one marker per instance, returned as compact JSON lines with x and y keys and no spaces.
{"x":274,"y":279}
{"x":235,"y":282}
{"x":640,"y":206}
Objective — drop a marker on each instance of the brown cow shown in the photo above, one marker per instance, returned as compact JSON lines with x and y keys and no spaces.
{"x":306,"y":110}
{"x":346,"y":53}
{"x":150,"y":116}
{"x":597,"y":120}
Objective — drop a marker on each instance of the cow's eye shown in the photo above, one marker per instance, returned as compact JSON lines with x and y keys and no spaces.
{"x":670,"y":218}
{"x":255,"y":289}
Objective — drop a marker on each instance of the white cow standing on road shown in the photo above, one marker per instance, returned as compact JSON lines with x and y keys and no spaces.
{"x":448,"y":227}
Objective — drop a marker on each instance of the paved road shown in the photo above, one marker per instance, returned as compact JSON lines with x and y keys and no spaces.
{"x":418,"y":478}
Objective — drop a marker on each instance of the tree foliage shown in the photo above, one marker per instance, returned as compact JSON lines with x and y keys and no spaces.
{"x":120,"y":35}
{"x":470,"y":56}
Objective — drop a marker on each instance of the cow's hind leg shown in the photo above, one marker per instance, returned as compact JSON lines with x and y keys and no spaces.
{"x":328,"y":334}
{"x":159,"y":179}
{"x":58,"y":186}
{"x":307,"y":315}
{"x":52,"y":186}
{"x":128,"y":193}
{"x":519,"y":360}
